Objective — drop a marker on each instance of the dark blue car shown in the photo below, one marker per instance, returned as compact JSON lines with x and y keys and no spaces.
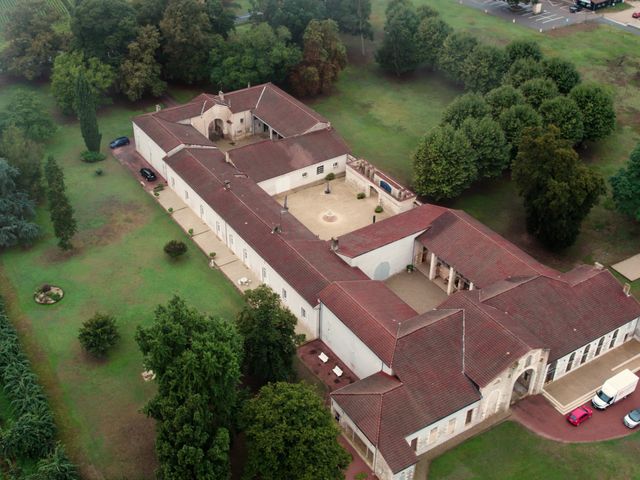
{"x":119,"y":142}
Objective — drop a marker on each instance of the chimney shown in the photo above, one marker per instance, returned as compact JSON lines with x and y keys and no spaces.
{"x":158,"y":107}
{"x":227,"y":185}
{"x":627,"y":289}
{"x":334,"y":244}
{"x":221,"y":95}
{"x":598,"y":265}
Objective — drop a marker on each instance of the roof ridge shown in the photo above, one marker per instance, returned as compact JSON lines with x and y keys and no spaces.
{"x":295,"y":102}
{"x":456,"y":213}
{"x":525,"y":279}
{"x":264,"y":88}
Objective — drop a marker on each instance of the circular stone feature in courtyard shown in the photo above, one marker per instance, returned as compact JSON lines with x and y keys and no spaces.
{"x":48,"y":294}
{"x":329,"y":216}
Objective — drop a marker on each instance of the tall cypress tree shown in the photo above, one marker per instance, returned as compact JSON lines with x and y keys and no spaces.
{"x":64,"y":223}
{"x":86,"y":110}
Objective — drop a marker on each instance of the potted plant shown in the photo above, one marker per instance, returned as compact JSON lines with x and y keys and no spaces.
{"x":410,"y":268}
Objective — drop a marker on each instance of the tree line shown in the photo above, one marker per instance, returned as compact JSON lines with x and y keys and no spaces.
{"x":202,"y":403}
{"x":515,"y":98}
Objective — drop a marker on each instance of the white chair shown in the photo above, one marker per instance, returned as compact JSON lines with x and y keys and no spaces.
{"x":338,"y":371}
{"x":323,"y":357}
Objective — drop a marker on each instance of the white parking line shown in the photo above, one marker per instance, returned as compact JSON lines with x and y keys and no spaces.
{"x":553,"y":20}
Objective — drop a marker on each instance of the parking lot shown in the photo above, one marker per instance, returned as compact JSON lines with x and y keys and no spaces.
{"x":555,"y":13}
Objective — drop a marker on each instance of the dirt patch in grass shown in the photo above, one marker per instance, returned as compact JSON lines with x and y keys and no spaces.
{"x":572,"y":30}
{"x":120,"y":219}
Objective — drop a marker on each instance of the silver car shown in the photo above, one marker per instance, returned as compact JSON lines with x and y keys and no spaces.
{"x":632,"y":420}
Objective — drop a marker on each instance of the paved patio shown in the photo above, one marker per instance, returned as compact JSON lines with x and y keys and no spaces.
{"x":580,"y":385}
{"x":417,"y":290}
{"x":629,"y":268}
{"x":225,"y":144}
{"x":334,"y":214}
{"x":309,"y":352}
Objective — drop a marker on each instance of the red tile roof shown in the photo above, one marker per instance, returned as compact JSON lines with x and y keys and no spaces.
{"x":387,"y":231}
{"x":169,"y":135}
{"x":270,"y":159}
{"x":371,"y":311}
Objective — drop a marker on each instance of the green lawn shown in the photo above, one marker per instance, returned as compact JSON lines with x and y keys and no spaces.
{"x":382,"y":119}
{"x":509,"y":451}
{"x":118,"y":267}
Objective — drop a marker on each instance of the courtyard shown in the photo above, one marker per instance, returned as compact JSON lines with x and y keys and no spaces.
{"x":417,"y":290}
{"x":330,"y":215}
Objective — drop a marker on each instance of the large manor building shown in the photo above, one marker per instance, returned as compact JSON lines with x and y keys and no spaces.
{"x":506,"y":325}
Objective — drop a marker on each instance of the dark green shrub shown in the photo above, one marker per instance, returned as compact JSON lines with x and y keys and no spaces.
{"x":330,"y":176}
{"x":175,"y":248}
{"x":99,"y":334}
{"x":360,"y":195}
{"x":92,"y":157}
{"x":379,"y":209}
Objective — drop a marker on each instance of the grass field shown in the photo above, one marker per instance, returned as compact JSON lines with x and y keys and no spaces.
{"x":509,"y":452}
{"x":382,"y":119}
{"x":118,"y":267}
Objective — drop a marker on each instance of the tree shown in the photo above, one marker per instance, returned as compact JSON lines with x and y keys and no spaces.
{"x":221,"y":15}
{"x":252,"y":56}
{"x":149,"y":12}
{"x":32,"y":40}
{"x":66,"y":69}
{"x":514,"y":3}
{"x":563,"y":112}
{"x":16,"y":211}
{"x":197,"y":361}
{"x":522,"y":70}
{"x":469,"y":105}
{"x":399,"y":53}
{"x":352,"y":17}
{"x":26,"y":111}
{"x":269,"y":335}
{"x":323,"y":58}
{"x":523,"y":49}
{"x":444,"y":164}
{"x":187,"y":40}
{"x":455,"y":50}
{"x":558,"y":191}
{"x":562,"y":72}
{"x":484,"y":68}
{"x":140,"y":71}
{"x":290,"y":434}
{"x":102,"y":29}
{"x":86,"y":109}
{"x":294,"y":15}
{"x":515,"y":120}
{"x":430,"y":37}
{"x":501,"y":98}
{"x":55,"y":466}
{"x":596,"y":105}
{"x":175,"y":248}
{"x":64,"y":223}
{"x":489,"y":144}
{"x":25,"y":155}
{"x":99,"y":334}
{"x":537,"y":90}
{"x":626,"y":186}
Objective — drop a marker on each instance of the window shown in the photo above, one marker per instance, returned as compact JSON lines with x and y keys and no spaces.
{"x":173,"y":182}
{"x":614,"y":338}
{"x":284,"y":294}
{"x":469,"y":418}
{"x":264,"y":274}
{"x":218,"y":227}
{"x":201,"y":211}
{"x":570,"y":362}
{"x":599,"y":348}
{"x":303,"y":313}
{"x":242,"y":120}
{"x":244,"y":255}
{"x":335,"y":164}
{"x":320,"y":169}
{"x":304,"y":175}
{"x":585,"y":354}
{"x":433,"y":435}
{"x":452,"y":426}
{"x":230,"y":239}
{"x":414,"y":444}
{"x":551,"y":371}
{"x":528,"y":362}
{"x":186,"y":194}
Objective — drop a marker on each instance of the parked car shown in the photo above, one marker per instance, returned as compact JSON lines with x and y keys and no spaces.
{"x":119,"y":142}
{"x":148,"y":174}
{"x":617,"y":388}
{"x":579,"y":415}
{"x":632,"y":419}
{"x":635,"y":14}
{"x":575,"y":8}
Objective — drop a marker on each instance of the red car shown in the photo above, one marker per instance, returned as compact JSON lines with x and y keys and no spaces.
{"x":636,"y":15}
{"x":579,"y":415}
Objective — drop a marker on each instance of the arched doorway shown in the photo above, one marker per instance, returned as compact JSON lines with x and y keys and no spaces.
{"x":522,"y":385}
{"x":216,"y":131}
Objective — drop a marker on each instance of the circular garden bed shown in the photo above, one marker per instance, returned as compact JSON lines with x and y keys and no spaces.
{"x":48,"y":295}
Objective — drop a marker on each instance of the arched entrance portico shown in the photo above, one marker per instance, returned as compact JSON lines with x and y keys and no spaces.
{"x":523,"y":385}
{"x":216,"y":131}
